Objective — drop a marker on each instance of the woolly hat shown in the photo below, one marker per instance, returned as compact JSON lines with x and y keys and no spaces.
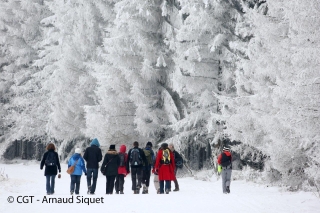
{"x":112,"y":147}
{"x":164,"y":145}
{"x":149,"y":144}
{"x":95,"y":142}
{"x":77,"y":150}
{"x":226,"y":149}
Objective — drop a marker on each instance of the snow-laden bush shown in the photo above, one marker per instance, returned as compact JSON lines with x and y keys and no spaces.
{"x":3,"y":175}
{"x":248,"y":174}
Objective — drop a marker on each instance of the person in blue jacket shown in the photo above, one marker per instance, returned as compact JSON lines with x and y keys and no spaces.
{"x":78,"y":161}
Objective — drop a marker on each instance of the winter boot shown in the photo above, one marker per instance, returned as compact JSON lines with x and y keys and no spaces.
{"x":121,"y":192}
{"x":89,"y":190}
{"x":138,"y":189}
{"x":117,"y":192}
{"x":145,"y":190}
{"x":158,"y":191}
{"x":228,"y":189}
{"x":167,"y":191}
{"x":176,"y":186}
{"x":71,"y":192}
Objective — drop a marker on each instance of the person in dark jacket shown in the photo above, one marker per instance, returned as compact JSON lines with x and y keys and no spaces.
{"x":93,"y":156}
{"x":225,"y":161}
{"x":51,"y":169}
{"x":77,"y":161}
{"x":136,"y":159}
{"x":109,"y":167}
{"x":179,"y":162}
{"x":147,"y":168}
{"x":122,"y":170}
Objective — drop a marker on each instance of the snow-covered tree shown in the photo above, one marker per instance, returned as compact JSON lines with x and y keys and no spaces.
{"x":136,"y":71}
{"x":203,"y":67}
{"x":276,"y":108}
{"x":74,"y":33}
{"x":19,"y":87}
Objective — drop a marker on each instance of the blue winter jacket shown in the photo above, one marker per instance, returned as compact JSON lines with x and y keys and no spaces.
{"x":80,"y":166}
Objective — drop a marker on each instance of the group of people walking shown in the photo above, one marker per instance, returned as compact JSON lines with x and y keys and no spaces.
{"x":116,"y":165}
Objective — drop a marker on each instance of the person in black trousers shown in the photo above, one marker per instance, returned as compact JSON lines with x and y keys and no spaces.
{"x":109,"y":167}
{"x":136,"y":159}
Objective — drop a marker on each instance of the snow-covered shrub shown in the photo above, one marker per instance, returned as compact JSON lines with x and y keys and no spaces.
{"x":205,"y":175}
{"x":248,"y":174}
{"x":3,"y":175}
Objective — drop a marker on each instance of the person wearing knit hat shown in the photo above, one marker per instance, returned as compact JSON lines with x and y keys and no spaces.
{"x":79,"y":166}
{"x":147,"y":168}
{"x":225,"y":167}
{"x":109,"y":168}
{"x":93,"y":156}
{"x":225,"y":149}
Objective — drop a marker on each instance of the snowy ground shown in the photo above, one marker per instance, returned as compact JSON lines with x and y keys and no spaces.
{"x":195,"y":196}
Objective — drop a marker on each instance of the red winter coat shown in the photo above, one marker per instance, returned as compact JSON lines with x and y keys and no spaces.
{"x":122,"y":170}
{"x":220,"y":156}
{"x":165,"y":172}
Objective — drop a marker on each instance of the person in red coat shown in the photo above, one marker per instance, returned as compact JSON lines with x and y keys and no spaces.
{"x":122,"y":169}
{"x":165,"y":167}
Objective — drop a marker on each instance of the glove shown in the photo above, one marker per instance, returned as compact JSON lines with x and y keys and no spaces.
{"x":155,"y":171}
{"x":85,"y":174}
{"x":59,"y":175}
{"x":219,"y":169}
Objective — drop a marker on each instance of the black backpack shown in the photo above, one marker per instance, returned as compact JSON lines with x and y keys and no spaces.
{"x":122,"y":159}
{"x":225,"y":160}
{"x":51,"y":159}
{"x":135,"y":158}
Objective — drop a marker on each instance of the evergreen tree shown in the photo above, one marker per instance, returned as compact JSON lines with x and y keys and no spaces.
{"x":276,"y":107}
{"x":204,"y":69}
{"x":20,"y":90}
{"x":73,"y":37}
{"x":137,"y":61}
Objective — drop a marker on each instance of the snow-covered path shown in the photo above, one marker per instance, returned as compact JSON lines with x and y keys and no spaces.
{"x":195,"y":196}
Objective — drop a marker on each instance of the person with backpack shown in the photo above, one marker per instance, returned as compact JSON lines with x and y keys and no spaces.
{"x":50,"y":159}
{"x":93,"y":156}
{"x":122,"y":170}
{"x":225,"y":162}
{"x":136,"y":159}
{"x":179,"y":164}
{"x":109,"y":168}
{"x":77,"y":161}
{"x":147,"y":168}
{"x":165,"y":166}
